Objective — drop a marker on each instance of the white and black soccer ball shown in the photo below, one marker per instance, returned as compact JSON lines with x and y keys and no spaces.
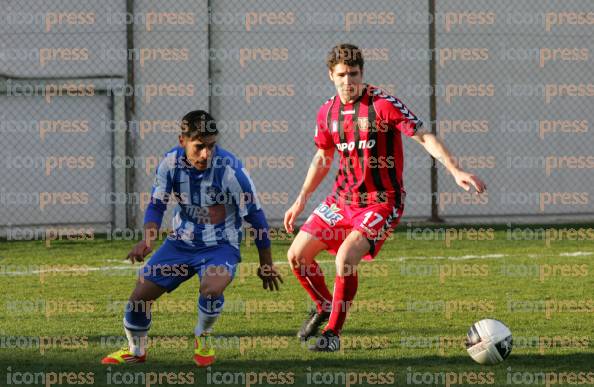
{"x":489,"y":341}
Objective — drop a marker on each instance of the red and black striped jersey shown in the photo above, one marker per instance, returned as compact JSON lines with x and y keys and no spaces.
{"x":366,"y":133}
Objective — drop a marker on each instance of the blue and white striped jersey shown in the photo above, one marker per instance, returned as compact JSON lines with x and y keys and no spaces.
{"x":210,"y":203}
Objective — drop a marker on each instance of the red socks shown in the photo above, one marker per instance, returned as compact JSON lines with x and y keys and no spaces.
{"x":345,"y":289}
{"x":312,"y":279}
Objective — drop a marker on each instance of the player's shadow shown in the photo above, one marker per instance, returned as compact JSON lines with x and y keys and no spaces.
{"x":343,"y":360}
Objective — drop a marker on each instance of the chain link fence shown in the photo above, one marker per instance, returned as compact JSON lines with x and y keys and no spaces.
{"x":91,"y":94}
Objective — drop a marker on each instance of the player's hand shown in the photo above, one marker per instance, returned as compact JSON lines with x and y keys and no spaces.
{"x":467,"y":180}
{"x":140,"y":250}
{"x":269,"y":276}
{"x":292,"y":214}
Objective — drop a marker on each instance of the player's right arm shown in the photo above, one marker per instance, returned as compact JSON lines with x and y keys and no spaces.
{"x":318,"y":169}
{"x":160,"y":195}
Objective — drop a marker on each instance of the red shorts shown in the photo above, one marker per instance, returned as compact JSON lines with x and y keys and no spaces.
{"x":332,"y":224}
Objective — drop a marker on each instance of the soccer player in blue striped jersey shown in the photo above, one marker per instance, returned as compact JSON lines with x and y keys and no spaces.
{"x":213,"y":193}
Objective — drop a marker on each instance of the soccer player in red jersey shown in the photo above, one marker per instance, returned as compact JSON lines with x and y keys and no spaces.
{"x":364,"y":124}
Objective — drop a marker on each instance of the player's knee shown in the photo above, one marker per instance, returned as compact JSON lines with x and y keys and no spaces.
{"x":346,"y":264}
{"x":292,"y":258}
{"x":210,"y":291}
{"x":138,"y":295}
{"x":295,"y":259}
{"x":146,"y":292}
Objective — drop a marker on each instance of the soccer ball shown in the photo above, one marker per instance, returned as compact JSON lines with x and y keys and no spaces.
{"x":489,"y":341}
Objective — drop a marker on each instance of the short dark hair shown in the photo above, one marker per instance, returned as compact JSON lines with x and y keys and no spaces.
{"x":345,"y":53}
{"x":198,"y":124}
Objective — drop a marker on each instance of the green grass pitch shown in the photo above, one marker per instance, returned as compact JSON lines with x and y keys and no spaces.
{"x":413,"y":308}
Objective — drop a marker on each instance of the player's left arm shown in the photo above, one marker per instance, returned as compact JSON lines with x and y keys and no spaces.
{"x":266,"y":271}
{"x":399,"y":116}
{"x":246,"y":198}
{"x":436,"y":148}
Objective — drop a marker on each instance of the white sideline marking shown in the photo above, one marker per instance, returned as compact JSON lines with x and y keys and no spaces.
{"x":453,"y":258}
{"x":576,"y":254}
{"x":130,"y":267}
{"x":399,"y":259}
{"x":70,"y":270}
